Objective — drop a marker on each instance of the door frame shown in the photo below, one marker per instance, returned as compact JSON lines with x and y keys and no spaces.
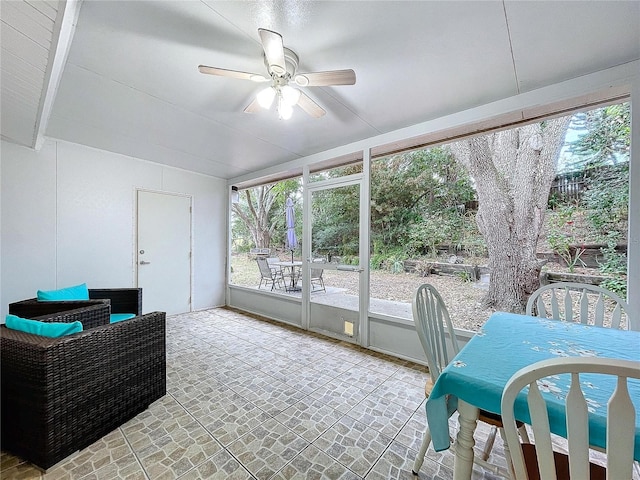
{"x":135,"y":236}
{"x":360,"y":179}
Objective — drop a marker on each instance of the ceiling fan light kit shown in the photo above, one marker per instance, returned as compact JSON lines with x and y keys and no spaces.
{"x":282,"y":66}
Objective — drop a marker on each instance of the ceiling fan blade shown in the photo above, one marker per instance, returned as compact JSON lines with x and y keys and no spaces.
{"x":253,"y":107}
{"x":309,"y":106}
{"x":273,"y":51}
{"x":325,"y":79}
{"x":223,"y":72}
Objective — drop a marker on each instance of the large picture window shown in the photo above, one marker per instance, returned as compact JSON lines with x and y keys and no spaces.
{"x":484,"y":219}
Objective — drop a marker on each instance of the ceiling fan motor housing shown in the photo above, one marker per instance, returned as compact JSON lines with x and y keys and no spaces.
{"x":291,"y":63}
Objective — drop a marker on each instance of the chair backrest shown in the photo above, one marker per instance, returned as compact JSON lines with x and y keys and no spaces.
{"x":434,"y":328}
{"x":263,"y":265}
{"x":620,"y":428}
{"x":271,"y":260}
{"x":316,"y":273}
{"x":579,"y":302}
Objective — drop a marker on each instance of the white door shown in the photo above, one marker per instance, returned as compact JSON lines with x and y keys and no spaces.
{"x":164,"y":251}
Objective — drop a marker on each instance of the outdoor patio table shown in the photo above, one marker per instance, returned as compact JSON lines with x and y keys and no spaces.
{"x":292,"y":267}
{"x":508,"y":342}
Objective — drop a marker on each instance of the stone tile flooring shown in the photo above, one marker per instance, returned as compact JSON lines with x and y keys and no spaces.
{"x":254,"y":399}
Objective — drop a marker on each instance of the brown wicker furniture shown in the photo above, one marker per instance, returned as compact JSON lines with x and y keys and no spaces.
{"x":60,"y":395}
{"x":122,"y":300}
{"x":92,"y":313}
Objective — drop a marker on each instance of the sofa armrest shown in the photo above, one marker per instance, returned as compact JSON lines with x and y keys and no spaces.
{"x":91,"y":313}
{"x":123,"y":300}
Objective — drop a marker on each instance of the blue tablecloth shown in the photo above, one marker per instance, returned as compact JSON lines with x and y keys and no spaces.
{"x":508,"y":342}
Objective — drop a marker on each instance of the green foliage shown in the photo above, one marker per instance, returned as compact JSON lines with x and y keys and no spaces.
{"x":425,"y":236}
{"x":615,"y":264}
{"x":392,"y":261}
{"x":335,"y":216}
{"x":350,"y":260}
{"x":561,"y":236}
{"x":376,"y":261}
{"x":445,"y":228}
{"x":395,"y":262}
{"x":408,"y":188}
{"x":607,"y":135}
{"x":615,"y":285}
{"x":464,"y":276}
{"x":607,"y":199}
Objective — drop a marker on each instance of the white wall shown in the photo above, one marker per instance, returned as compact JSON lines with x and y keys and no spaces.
{"x":68,"y":217}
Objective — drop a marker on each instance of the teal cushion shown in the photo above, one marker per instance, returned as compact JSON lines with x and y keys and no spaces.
{"x":45,"y":329}
{"x":118,"y":317}
{"x":77,"y":292}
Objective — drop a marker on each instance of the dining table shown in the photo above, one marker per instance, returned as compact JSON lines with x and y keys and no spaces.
{"x":507,"y":342}
{"x":291,"y":270}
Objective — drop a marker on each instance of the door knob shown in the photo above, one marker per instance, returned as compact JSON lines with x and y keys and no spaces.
{"x":142,"y":262}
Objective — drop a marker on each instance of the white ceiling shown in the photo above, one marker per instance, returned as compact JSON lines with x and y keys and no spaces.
{"x":131,"y":85}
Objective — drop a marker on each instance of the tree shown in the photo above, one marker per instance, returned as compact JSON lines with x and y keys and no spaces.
{"x":261,"y":210}
{"x":335,"y":217}
{"x":607,"y":137}
{"x":411,"y":188}
{"x":513,"y":171}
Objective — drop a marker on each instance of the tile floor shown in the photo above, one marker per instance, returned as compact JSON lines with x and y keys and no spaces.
{"x":254,"y":399}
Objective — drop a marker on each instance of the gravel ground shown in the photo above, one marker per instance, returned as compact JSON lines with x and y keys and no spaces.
{"x":463,"y":299}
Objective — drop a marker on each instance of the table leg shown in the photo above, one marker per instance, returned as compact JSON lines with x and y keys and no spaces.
{"x":467,"y":417}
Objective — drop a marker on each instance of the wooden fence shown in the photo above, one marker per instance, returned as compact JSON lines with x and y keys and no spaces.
{"x":569,"y":186}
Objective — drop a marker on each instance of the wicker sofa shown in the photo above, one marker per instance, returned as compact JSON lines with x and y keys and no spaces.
{"x":60,"y":395}
{"x":122,"y":300}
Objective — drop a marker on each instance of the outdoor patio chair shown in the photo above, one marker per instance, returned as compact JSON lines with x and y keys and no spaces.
{"x":535,"y":461}
{"x":317,"y":283}
{"x":579,"y":302}
{"x":60,"y":395}
{"x":271,"y":261}
{"x":440,"y":345}
{"x":269,"y":275}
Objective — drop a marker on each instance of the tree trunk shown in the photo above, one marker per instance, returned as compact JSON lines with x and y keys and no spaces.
{"x":513,"y":171}
{"x":255,"y":213}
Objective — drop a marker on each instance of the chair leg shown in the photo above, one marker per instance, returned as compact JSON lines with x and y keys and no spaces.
{"x":423,"y":451}
{"x":488,"y":446}
{"x":524,"y":435}
{"x":507,"y":453}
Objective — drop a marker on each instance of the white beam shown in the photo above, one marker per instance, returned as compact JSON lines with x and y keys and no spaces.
{"x":64,"y":28}
{"x":633,"y":239}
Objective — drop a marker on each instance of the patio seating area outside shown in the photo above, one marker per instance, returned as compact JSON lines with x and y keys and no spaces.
{"x":391,"y":293}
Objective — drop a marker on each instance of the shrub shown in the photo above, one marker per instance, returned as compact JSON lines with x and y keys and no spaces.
{"x":616,"y":285}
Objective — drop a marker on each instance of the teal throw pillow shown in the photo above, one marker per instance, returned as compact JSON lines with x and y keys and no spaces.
{"x":118,"y":317}
{"x":77,"y":292}
{"x":45,"y":329}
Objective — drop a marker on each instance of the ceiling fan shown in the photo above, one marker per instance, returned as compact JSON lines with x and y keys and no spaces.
{"x":282,"y":66}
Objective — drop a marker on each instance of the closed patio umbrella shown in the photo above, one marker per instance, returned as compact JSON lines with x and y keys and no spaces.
{"x":292,"y":240}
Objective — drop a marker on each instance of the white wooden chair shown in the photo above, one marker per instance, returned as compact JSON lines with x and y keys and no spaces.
{"x":440,"y":345}
{"x":539,"y":461}
{"x":579,"y":302}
